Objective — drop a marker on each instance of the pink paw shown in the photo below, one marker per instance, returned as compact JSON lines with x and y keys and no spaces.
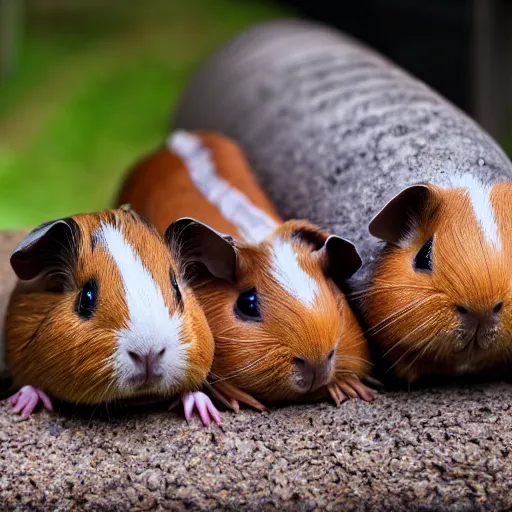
{"x":207,"y":411}
{"x":26,"y":400}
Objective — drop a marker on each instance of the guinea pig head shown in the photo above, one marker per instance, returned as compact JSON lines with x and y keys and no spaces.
{"x":440,"y":299}
{"x":102,"y":312}
{"x":282,"y":327}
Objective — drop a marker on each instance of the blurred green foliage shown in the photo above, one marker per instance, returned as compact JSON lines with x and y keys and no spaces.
{"x":93,"y":91}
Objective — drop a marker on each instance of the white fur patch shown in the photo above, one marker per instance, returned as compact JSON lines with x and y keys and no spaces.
{"x":288,"y":273}
{"x":480,"y":198}
{"x":151,"y":327}
{"x":254,"y":224}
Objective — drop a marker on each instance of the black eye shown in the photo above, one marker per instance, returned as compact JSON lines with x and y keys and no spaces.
{"x":86,"y":303}
{"x":174,"y":283}
{"x":423,"y":260}
{"x":247,"y":306}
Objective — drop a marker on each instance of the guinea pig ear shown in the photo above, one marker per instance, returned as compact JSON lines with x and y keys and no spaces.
{"x":339,"y":258}
{"x":46,"y":248}
{"x":195,"y":242}
{"x":395,"y":220}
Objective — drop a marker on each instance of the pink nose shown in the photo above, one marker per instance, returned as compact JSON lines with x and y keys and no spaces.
{"x":146,"y":365}
{"x":314,"y":375}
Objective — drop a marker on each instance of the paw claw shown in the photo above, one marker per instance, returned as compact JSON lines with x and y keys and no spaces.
{"x":27,"y":399}
{"x":198,"y":400}
{"x":352,"y":388}
{"x":337,"y":394}
{"x":234,"y":396}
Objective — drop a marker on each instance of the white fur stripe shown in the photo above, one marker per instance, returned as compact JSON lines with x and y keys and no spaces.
{"x":253,"y":223}
{"x":480,"y":198}
{"x":150,"y":326}
{"x":288,"y":273}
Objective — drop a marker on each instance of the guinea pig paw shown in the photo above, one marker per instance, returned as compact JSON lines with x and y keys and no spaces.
{"x":207,"y":411}
{"x":337,"y":394}
{"x":354,"y":388}
{"x":229,"y":402}
{"x":235,"y":396}
{"x":27,"y":399}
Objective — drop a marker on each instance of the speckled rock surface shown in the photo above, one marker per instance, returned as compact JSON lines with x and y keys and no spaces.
{"x":439,"y":449}
{"x":444,"y":449}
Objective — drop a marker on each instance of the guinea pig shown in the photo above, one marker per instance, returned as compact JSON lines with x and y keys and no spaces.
{"x":102,"y":312}
{"x":282,"y":327}
{"x":335,"y":131}
{"x":440,"y":296}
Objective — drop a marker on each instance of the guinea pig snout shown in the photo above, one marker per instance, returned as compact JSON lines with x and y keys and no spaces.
{"x":313,"y":375}
{"x":146,"y":366}
{"x":482,"y":326}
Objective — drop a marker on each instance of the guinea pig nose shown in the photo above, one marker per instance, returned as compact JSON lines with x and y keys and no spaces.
{"x":147,"y":362}
{"x":480,"y":315}
{"x":314,"y":375}
{"x":137,"y":358}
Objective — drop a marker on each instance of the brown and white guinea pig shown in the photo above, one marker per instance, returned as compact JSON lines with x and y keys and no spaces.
{"x":102,"y":312}
{"x":340,"y":132}
{"x":440,"y":299}
{"x":283,"y":329}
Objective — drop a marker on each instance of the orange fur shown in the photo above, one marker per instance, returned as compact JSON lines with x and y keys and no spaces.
{"x":289,"y":329}
{"x":257,"y":357}
{"x":48,"y":346}
{"x":174,"y":193}
{"x":413,"y":316}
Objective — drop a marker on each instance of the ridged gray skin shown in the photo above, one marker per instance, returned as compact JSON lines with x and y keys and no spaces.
{"x":332,"y":129}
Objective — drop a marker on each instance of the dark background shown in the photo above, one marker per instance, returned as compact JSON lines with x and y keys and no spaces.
{"x":462,"y":48}
{"x":432,"y":39}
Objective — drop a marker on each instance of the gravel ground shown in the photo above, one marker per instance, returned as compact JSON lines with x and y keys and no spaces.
{"x":445,"y":448}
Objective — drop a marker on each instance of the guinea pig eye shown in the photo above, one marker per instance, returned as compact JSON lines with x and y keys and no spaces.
{"x":423,"y":260}
{"x":174,"y":283}
{"x":247,"y":306}
{"x":86,"y":303}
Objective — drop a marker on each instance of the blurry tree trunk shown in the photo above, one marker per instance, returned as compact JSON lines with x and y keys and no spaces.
{"x":11,"y":20}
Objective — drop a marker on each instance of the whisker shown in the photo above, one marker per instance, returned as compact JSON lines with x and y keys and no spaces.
{"x":426,"y":346}
{"x":245,"y":368}
{"x":347,"y":343}
{"x":407,"y":352}
{"x":396,"y":285}
{"x":398,"y":315}
{"x":355,"y":358}
{"x":346,"y":372}
{"x":359,"y":292}
{"x":243,"y":341}
{"x":388,"y":286}
{"x":399,"y":342}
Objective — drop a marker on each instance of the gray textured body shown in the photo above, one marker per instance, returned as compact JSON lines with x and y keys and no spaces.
{"x":333,"y":130}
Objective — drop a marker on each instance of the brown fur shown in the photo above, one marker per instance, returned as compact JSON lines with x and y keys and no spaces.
{"x":163,"y":195}
{"x":257,"y":357}
{"x":49,"y":346}
{"x":413,"y":315}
